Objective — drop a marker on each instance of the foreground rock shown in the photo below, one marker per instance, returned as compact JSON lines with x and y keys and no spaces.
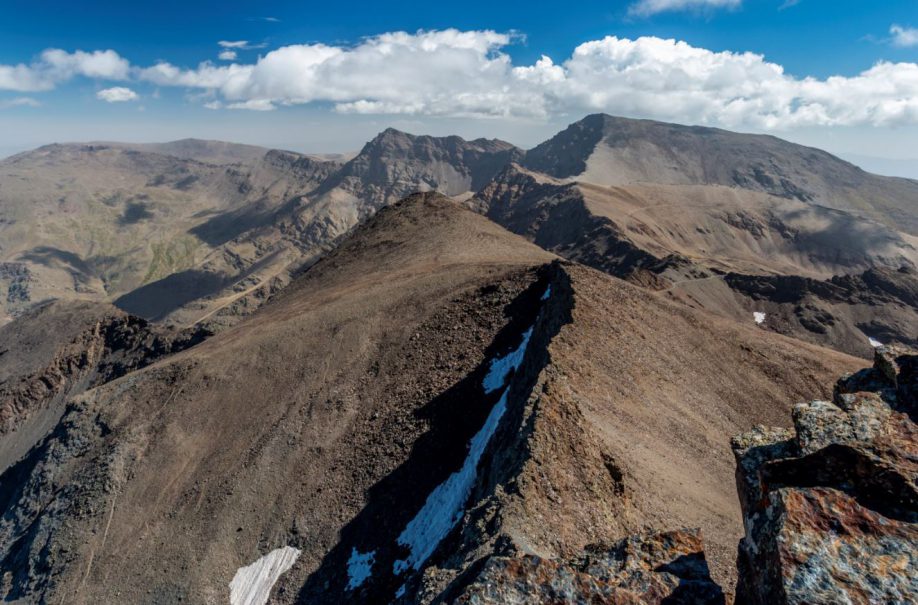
{"x":831,"y":508}
{"x":665,"y":567}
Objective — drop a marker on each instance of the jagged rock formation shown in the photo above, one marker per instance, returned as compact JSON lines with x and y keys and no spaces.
{"x":881,"y":303}
{"x":396,"y":164}
{"x":652,"y":569}
{"x":831,"y":508}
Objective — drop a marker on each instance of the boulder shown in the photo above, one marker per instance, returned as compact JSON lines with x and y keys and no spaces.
{"x":644,"y":569}
{"x":831,"y":508}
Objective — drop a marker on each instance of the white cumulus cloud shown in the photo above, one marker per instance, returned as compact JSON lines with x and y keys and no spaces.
{"x":227,"y":55}
{"x":904,"y":36}
{"x":55,"y":66}
{"x":117,"y":94}
{"x":466,"y":73}
{"x":645,"y":8}
{"x":469,"y":74}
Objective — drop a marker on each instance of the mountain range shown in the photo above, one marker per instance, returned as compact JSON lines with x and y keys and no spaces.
{"x":202,"y":232}
{"x":449,"y":371}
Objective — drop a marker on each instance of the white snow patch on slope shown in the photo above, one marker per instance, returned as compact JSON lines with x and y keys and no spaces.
{"x":874,"y":342}
{"x":445,"y":504}
{"x":502,"y":366}
{"x":759,"y":317}
{"x":359,"y":568}
{"x":252,"y":584}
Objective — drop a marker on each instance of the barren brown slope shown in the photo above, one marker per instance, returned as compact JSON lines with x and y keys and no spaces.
{"x":95,"y":221}
{"x":822,"y":275}
{"x":661,"y":385}
{"x":325,"y":420}
{"x":272,"y":431}
{"x":609,"y":150}
{"x":60,"y":349}
{"x":262,"y":245}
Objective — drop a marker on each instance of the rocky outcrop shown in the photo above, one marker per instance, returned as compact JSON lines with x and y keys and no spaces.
{"x":831,"y":508}
{"x":881,"y":303}
{"x":396,"y":164}
{"x":74,"y":347}
{"x":652,"y":568}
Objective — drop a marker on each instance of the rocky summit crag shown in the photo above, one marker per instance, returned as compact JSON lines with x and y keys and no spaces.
{"x":831,"y":508}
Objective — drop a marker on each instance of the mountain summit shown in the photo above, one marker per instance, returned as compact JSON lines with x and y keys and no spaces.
{"x":609,"y":150}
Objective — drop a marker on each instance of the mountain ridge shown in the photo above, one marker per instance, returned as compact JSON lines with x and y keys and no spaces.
{"x":257,"y":224}
{"x":266,"y":435}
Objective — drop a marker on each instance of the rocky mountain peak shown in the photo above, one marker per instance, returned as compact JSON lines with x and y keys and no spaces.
{"x":395,"y":164}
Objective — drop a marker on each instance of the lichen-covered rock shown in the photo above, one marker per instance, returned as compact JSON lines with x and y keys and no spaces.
{"x":831,"y":510}
{"x":644,"y":569}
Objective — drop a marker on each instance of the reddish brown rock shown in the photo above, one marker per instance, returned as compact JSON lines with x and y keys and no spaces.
{"x":645,"y":569}
{"x":831,"y":509}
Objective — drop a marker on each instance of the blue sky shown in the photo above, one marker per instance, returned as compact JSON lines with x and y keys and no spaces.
{"x":329,"y":89}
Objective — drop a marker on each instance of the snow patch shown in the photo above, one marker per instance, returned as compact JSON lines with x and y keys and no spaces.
{"x":359,"y":568}
{"x":759,"y":317}
{"x":502,"y":366}
{"x":874,"y":342}
{"x":445,"y":504}
{"x":252,"y":584}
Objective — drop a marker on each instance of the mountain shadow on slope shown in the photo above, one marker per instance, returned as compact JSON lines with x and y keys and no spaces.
{"x":393,"y":501}
{"x":159,"y":298}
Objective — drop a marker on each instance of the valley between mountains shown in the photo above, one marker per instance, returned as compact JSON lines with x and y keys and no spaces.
{"x":449,"y":371}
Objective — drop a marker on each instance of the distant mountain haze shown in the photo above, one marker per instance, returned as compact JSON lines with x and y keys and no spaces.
{"x":197,"y":231}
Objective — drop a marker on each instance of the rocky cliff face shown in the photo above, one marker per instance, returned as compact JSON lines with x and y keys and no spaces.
{"x":67,"y":347}
{"x":881,"y":302}
{"x":396,"y":164}
{"x":555,"y":216}
{"x":831,"y":508}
